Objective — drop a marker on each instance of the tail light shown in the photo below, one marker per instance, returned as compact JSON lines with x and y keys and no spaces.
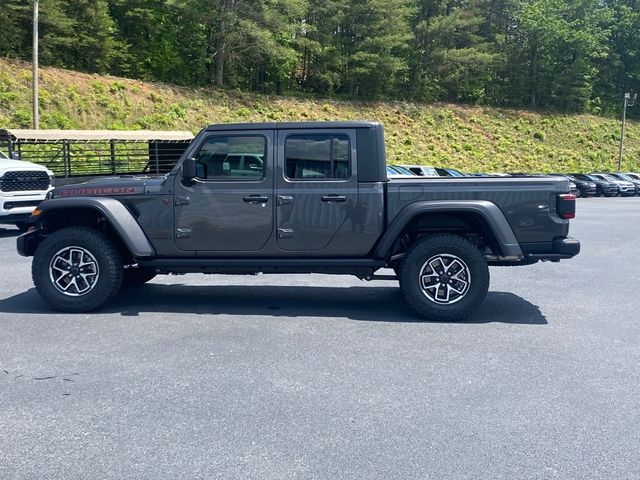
{"x":566,"y":205}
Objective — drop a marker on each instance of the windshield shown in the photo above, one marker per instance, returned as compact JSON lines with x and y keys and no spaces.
{"x":2,"y":155}
{"x":611,"y":178}
{"x":624,"y":177}
{"x":403,"y":170}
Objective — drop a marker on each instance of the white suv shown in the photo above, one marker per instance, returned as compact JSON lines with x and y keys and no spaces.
{"x":23,"y":186}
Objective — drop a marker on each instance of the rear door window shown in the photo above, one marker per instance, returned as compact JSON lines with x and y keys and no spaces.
{"x":318,"y":157}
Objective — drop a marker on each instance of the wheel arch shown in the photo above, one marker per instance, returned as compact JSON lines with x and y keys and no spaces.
{"x":107,"y":214}
{"x":481,"y":217}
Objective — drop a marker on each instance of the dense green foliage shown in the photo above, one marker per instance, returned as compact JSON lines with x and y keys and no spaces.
{"x":470,"y":138}
{"x":563,"y":55}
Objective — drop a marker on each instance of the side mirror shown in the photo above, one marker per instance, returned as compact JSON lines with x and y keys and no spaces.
{"x":189,"y":169}
{"x":15,"y":155}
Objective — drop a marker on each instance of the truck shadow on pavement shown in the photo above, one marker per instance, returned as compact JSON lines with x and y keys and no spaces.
{"x":373,"y":304}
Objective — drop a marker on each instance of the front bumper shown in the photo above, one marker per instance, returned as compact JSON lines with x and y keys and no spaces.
{"x":18,"y":205}
{"x":14,"y":218}
{"x":561,"y":249}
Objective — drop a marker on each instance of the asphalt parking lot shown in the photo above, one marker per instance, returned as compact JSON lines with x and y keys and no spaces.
{"x":319,"y":377}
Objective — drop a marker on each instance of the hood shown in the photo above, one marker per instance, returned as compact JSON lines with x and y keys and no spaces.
{"x":111,"y":187}
{"x":8,"y":164}
{"x":624,"y":183}
{"x":586,"y":183}
{"x":606,"y":183}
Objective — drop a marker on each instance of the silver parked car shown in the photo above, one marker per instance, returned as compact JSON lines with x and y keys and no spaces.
{"x":626,"y":189}
{"x":421,"y":170}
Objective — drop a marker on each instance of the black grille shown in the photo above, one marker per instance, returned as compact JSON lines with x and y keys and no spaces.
{"x":24,"y":181}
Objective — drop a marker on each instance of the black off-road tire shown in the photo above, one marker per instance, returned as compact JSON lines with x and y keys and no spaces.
{"x":448,"y":246}
{"x":135,"y":277}
{"x":98,"y":245}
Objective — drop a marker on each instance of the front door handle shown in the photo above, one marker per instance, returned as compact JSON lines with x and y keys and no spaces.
{"x":334,"y":198}
{"x":256,"y":199}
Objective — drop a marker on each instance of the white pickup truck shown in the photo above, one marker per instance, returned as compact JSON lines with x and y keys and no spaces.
{"x":23,"y":186}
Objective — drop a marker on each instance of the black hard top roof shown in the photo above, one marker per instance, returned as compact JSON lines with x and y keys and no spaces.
{"x":291,"y":125}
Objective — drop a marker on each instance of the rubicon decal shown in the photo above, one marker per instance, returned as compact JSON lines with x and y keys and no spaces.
{"x":86,"y":192}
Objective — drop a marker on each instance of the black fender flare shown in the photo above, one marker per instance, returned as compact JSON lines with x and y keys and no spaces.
{"x":489,"y":212}
{"x":114,"y":212}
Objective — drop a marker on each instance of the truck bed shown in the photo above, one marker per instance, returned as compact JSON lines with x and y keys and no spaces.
{"x":528,"y":203}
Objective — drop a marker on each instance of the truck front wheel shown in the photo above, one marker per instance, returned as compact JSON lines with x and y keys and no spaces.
{"x":77,"y":269}
{"x":444,"y":277}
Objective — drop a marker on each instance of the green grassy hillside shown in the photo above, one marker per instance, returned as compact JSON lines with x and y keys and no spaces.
{"x":463,"y":137}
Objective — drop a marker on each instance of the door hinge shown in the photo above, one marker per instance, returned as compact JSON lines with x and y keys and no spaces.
{"x":183,"y":233}
{"x":285,"y":233}
{"x":179,"y":201}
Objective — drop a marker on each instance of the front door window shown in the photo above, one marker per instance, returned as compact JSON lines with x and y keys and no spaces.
{"x":232,"y":158}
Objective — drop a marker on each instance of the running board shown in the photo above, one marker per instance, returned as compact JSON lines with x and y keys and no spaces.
{"x":359,"y":267}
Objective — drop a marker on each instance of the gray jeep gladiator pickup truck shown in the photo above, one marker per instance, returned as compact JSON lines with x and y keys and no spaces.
{"x":295,"y":198}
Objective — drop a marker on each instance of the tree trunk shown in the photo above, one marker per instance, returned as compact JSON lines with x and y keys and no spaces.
{"x":219,"y":73}
{"x":221,"y":43}
{"x":533,"y":77}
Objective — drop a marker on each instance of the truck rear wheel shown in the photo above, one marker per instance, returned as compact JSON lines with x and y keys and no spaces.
{"x":77,"y":269}
{"x":444,"y":277}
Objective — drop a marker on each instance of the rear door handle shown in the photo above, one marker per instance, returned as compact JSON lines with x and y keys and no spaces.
{"x":334,"y":198}
{"x":285,"y":233}
{"x":284,"y":199}
{"x":256,"y":199}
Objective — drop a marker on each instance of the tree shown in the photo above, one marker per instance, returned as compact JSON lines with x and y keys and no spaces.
{"x":322,"y":57}
{"x":252,"y":41}
{"x":357,"y":47}
{"x":619,"y":71}
{"x":94,"y":47}
{"x":13,"y":14}
{"x":570,"y":55}
{"x":559,"y":43}
{"x":375,"y":45}
{"x":452,"y":60}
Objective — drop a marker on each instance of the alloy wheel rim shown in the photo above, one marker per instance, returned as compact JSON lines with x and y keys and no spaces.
{"x":74,"y":271}
{"x":445,"y":279}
